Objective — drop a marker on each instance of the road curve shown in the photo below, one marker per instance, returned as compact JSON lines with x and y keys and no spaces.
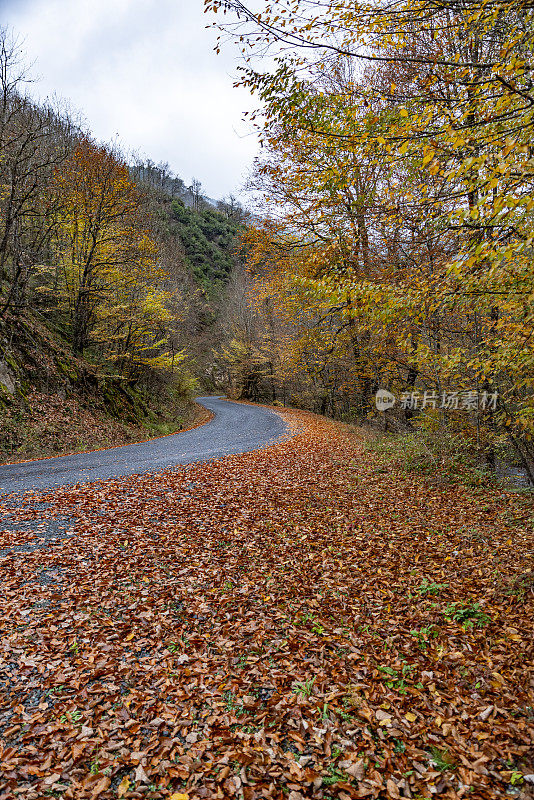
{"x":235,"y":428}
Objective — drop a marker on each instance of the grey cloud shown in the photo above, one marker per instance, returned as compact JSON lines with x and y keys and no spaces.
{"x":145,"y":70}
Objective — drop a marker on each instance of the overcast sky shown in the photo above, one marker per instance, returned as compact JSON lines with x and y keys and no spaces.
{"x":144,"y":70}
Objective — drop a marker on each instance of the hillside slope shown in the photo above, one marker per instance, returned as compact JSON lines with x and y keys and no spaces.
{"x":52,"y":402}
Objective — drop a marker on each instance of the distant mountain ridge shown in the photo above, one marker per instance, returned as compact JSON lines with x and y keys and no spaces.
{"x":160,"y":177}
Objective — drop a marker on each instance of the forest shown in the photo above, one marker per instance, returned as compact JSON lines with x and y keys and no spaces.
{"x":326,"y":592}
{"x":389,"y":248}
{"x":112,"y":274}
{"x":392,"y":247}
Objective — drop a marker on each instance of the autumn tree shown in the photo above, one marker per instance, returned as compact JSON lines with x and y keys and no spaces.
{"x":34,"y":140}
{"x":107,"y":264}
{"x":437,"y":104}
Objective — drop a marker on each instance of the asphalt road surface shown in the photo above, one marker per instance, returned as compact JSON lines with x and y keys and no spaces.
{"x":235,"y":428}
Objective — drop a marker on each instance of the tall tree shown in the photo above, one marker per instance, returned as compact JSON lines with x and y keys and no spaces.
{"x":442,"y":119}
{"x":108,"y":270}
{"x":33,"y":141}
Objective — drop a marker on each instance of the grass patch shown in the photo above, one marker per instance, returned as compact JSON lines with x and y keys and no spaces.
{"x":437,"y":454}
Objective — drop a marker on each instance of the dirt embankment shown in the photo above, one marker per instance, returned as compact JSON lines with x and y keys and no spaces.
{"x":52,"y":403}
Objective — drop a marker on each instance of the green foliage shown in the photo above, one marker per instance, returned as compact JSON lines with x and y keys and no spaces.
{"x":335,"y":776}
{"x":467,"y":614}
{"x":442,"y":759}
{"x":440,"y":454}
{"x":232,"y":704}
{"x":424,"y":635}
{"x":304,"y":688}
{"x":397,"y":678}
{"x":522,"y":586}
{"x":430,"y":587}
{"x":209,"y":241}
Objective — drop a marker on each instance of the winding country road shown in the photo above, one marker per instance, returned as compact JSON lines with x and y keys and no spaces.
{"x":236,"y":428}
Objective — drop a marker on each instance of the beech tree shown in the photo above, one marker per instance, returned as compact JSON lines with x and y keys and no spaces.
{"x":429,"y":257}
{"x":107,"y":264}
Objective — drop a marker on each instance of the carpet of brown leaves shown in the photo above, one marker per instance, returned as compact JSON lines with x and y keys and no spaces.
{"x":298,"y":622}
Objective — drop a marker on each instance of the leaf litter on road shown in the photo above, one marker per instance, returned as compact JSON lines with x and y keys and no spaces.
{"x":296,"y":622}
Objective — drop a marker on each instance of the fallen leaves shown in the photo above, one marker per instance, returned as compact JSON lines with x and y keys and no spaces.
{"x":268,"y":625}
{"x":50,"y":425}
